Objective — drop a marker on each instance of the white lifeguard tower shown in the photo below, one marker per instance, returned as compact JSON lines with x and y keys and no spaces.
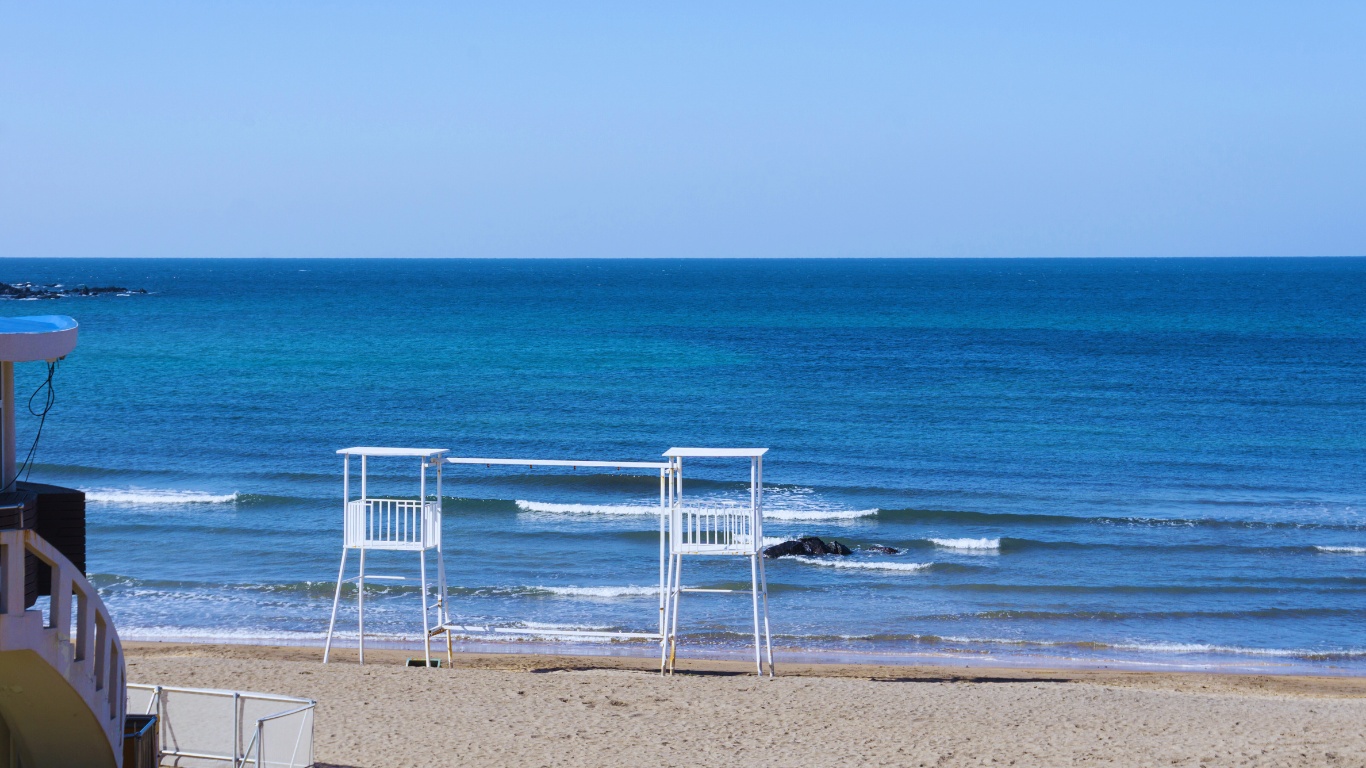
{"x":410,"y":524}
{"x":723,"y":529}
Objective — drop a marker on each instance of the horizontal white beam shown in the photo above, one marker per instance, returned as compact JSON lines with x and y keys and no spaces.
{"x":558,"y":463}
{"x":370,"y":450}
{"x":564,"y":632}
{"x":716,"y":452}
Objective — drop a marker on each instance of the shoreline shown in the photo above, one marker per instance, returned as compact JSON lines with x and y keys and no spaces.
{"x":1229,"y":665}
{"x":612,"y":712}
{"x":538,"y":659}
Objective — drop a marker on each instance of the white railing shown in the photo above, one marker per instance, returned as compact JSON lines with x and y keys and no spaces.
{"x":403,"y":524}
{"x":716,"y":530}
{"x":206,"y":726}
{"x":79,"y":642}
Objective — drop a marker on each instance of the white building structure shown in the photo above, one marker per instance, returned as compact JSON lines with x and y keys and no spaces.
{"x":686,"y":529}
{"x":410,"y":524}
{"x":717,"y":530}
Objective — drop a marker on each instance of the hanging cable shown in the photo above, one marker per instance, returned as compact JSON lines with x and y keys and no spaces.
{"x":49,"y":400}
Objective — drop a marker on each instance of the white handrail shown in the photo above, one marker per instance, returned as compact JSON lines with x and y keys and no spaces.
{"x":397,"y":523}
{"x":91,"y":661}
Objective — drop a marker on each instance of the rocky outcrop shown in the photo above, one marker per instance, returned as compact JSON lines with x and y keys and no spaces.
{"x":59,"y":291}
{"x":785,"y":549}
{"x":809,"y":546}
{"x":881,"y":550}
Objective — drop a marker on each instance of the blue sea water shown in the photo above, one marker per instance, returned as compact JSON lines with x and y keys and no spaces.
{"x":1097,"y":461}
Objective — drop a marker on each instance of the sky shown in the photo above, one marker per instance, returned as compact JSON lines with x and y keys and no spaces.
{"x":697,"y":129}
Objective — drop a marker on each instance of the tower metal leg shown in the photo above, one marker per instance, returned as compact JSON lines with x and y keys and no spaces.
{"x":443,"y":614}
{"x":336,"y":599}
{"x":754,"y":599}
{"x":675,"y":593}
{"x":426,"y":635}
{"x":360,"y":607}
{"x":768,"y":638}
{"x":443,"y":611}
{"x":666,"y":594}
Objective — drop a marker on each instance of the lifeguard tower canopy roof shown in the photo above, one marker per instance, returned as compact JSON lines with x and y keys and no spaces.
{"x":44,"y":337}
{"x":374,"y":451}
{"x":720,"y":452}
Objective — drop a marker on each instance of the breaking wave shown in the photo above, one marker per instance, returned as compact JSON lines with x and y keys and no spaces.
{"x":975,"y":545}
{"x":630,"y":591}
{"x":587,"y":509}
{"x":864,"y":565}
{"x":817,"y":514}
{"x":1342,"y":550}
{"x":140,"y":496}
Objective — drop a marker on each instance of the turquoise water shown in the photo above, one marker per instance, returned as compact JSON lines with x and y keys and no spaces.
{"x":1131,"y":461}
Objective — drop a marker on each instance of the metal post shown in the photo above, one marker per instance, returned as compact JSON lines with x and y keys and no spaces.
{"x":768,"y":636}
{"x":665,"y":642}
{"x":341,"y":571}
{"x":237,"y":730}
{"x":426,"y":634}
{"x":676,"y":572}
{"x":336,"y":599}
{"x":360,"y":600}
{"x":7,"y":423}
{"x":754,"y":598}
{"x":444,"y":615}
{"x":663,"y":510}
{"x":443,"y":611}
{"x":763,"y":580}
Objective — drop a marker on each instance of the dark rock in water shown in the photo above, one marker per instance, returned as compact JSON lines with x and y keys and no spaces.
{"x":58,"y":291}
{"x":883,"y":550}
{"x":807,"y":545}
{"x":784,"y":549}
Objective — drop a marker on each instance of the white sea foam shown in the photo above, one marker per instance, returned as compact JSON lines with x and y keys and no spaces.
{"x":587,"y":509}
{"x":865,"y":565}
{"x":234,"y":635}
{"x":979,"y":545}
{"x":631,"y":591}
{"x":1232,"y":649}
{"x":1343,"y":550}
{"x":817,"y":514}
{"x":152,"y":496}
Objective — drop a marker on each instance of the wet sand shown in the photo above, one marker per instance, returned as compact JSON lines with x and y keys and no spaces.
{"x":530,"y":710}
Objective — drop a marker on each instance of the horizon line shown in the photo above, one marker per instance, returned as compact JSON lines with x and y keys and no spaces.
{"x":670,"y":258}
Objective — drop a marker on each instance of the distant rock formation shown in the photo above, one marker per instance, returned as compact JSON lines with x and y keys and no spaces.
{"x":59,"y":291}
{"x":808,"y":546}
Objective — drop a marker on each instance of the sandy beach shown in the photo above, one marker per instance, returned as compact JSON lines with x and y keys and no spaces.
{"x":529,"y":710}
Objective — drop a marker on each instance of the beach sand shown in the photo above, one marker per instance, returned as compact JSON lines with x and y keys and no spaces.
{"x":533,"y":710}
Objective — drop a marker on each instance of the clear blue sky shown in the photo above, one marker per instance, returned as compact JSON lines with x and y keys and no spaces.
{"x":682,"y":129}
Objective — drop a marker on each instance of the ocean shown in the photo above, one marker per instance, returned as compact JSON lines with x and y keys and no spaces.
{"x":1133,"y":462}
